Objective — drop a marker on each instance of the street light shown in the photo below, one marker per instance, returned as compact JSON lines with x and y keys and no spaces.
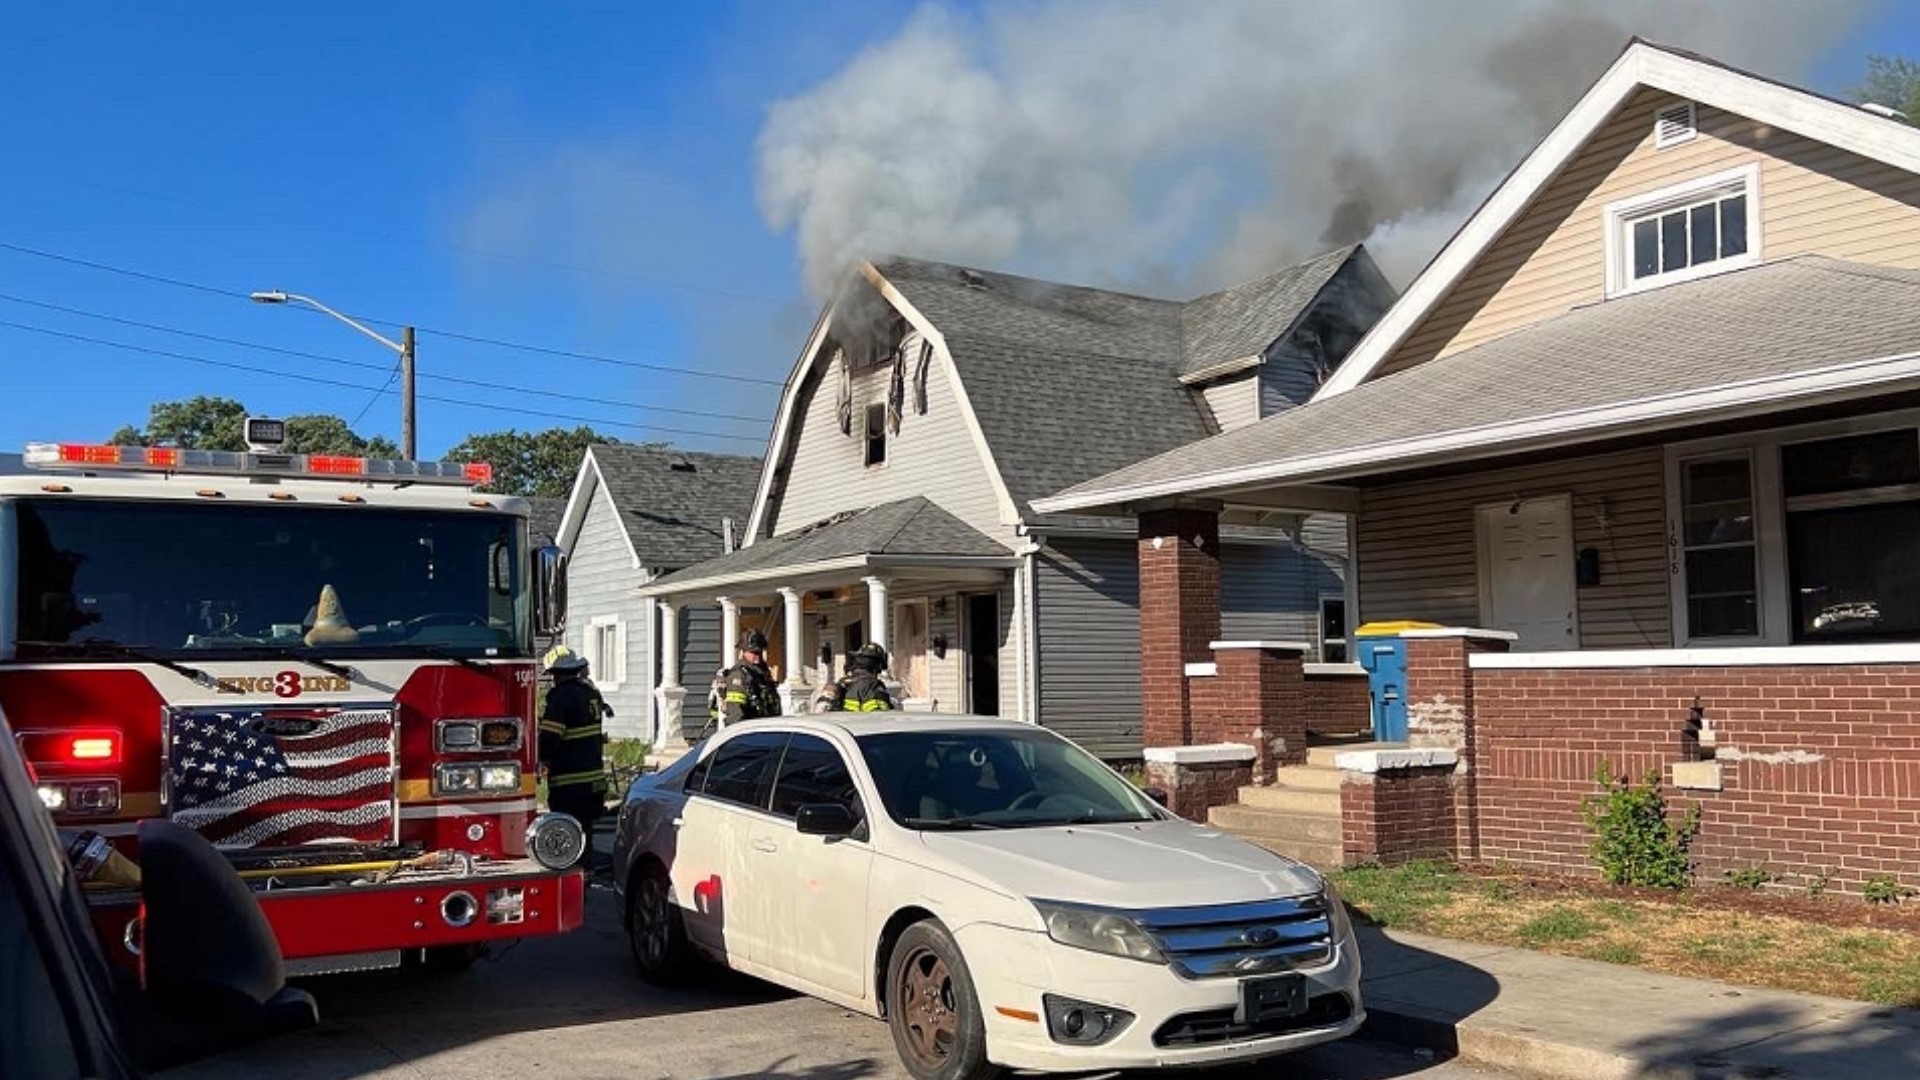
{"x":404,"y":347}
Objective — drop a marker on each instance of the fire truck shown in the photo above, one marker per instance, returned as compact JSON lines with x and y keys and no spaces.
{"x":323,"y":664}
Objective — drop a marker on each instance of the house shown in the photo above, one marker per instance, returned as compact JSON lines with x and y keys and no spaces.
{"x":1643,"y":441}
{"x":933,"y":403}
{"x":636,"y":513}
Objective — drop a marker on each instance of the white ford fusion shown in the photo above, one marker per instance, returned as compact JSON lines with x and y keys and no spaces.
{"x":998,"y":895}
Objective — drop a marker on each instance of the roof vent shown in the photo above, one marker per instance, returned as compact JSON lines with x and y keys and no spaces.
{"x":681,"y":464}
{"x":1885,"y":111}
{"x":1674,"y":125}
{"x":973,"y":279}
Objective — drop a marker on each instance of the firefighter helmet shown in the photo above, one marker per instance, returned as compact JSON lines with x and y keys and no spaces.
{"x":561,"y":658}
{"x":753,"y":641}
{"x":870,"y":658}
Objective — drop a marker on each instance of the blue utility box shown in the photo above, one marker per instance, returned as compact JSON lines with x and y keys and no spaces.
{"x":1385,"y":660}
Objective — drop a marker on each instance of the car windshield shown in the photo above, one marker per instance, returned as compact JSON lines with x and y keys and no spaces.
{"x":101,"y":578}
{"x":996,"y":779}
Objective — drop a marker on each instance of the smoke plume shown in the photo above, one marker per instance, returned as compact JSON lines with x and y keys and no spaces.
{"x":1188,"y":145}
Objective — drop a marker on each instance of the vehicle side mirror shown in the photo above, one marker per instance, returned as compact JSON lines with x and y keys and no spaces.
{"x":549,"y":590}
{"x":1158,"y":795}
{"x":824,"y":819}
{"x":213,"y":973}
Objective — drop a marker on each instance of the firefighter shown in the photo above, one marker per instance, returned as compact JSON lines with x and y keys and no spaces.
{"x":571,"y":741}
{"x":860,"y":690}
{"x":747,"y":692}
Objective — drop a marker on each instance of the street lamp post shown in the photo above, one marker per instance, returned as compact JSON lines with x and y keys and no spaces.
{"x":404,"y":347}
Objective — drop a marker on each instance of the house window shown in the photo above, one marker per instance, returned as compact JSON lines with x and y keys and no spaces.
{"x":1687,"y":231}
{"x":1852,"y":515}
{"x":605,"y":650}
{"x":1718,"y":547}
{"x":876,"y":435}
{"x":1333,"y":629}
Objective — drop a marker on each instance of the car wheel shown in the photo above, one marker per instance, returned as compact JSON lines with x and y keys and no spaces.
{"x":931,"y":1007}
{"x":655,"y":934}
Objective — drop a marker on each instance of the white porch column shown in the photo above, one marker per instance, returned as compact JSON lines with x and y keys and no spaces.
{"x":670,"y":731}
{"x":793,"y":686}
{"x":729,"y":626}
{"x":877,"y":612}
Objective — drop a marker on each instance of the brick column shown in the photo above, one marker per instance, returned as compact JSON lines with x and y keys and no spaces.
{"x":1398,"y":805}
{"x":1257,"y":697}
{"x":1179,"y":615}
{"x":1440,"y":710}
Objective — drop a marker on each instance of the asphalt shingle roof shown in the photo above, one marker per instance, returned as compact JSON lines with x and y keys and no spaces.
{"x":1795,"y":315}
{"x":672,"y":502}
{"x":914,"y":526}
{"x":543,"y":519}
{"x":1242,"y":321}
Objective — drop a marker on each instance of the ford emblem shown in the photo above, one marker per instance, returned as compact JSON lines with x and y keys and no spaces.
{"x":279,"y":726}
{"x":1262,"y":936}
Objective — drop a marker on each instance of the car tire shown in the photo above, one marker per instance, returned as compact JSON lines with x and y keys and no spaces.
{"x":938,"y":1030}
{"x":656,"y":936}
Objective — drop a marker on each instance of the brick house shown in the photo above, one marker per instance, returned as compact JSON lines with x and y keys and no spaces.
{"x":1644,"y":440}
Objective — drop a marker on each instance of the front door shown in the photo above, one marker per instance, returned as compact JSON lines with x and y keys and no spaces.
{"x":983,"y":654}
{"x":1527,"y":562}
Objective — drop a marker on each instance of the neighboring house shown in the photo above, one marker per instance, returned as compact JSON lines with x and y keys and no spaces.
{"x":932,"y":403}
{"x":638,"y":512}
{"x":11,"y":465}
{"x":544,"y":518}
{"x":1654,"y":413}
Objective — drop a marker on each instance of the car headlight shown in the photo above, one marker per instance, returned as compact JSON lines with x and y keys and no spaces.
{"x":1337,"y":918}
{"x":1098,"y":930}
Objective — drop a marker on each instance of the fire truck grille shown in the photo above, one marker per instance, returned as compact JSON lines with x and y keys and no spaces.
{"x":283,"y":777}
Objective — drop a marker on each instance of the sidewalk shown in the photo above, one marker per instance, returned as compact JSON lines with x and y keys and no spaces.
{"x":1568,"y":1019}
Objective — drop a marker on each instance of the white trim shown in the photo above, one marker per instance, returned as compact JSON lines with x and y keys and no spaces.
{"x":1223,"y":368}
{"x":1690,"y":127}
{"x":1351,"y":668}
{"x":1412,"y":757}
{"x":1471,"y":633}
{"x":1614,"y":221}
{"x":445,"y":810}
{"x":785,"y":419}
{"x":1727,"y":400}
{"x":1201,"y":671}
{"x":1209,"y":754}
{"x":1266,"y":646}
{"x":570,"y":524}
{"x":1483,"y":552}
{"x":609,"y":669}
{"x":1756,"y":656}
{"x":1641,"y":65}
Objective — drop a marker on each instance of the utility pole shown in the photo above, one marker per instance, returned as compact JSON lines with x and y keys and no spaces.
{"x":406,"y":392}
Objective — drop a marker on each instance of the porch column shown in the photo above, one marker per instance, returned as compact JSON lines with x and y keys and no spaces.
{"x":1179,"y":551}
{"x":669,"y":730}
{"x":877,"y":612}
{"x":793,"y":688}
{"x":729,"y":626}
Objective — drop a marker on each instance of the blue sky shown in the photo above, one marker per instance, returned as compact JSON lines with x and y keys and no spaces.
{"x":576,"y":176}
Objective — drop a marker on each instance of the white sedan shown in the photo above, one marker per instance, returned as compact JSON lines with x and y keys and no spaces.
{"x":997,"y":894}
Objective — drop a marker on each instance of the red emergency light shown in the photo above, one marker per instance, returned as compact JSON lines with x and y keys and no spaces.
{"x":93,"y":746}
{"x":100,"y":456}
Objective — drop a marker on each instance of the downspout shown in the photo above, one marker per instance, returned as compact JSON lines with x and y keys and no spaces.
{"x":1027,"y":670}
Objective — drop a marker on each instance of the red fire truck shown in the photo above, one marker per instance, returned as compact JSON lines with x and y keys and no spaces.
{"x":323,"y":664}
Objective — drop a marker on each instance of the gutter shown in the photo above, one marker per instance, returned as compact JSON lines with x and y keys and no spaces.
{"x":825,"y":566}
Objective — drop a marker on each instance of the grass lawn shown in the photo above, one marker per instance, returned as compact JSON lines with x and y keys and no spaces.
{"x":1817,"y":947}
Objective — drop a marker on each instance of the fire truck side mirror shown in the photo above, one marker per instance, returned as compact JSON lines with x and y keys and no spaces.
{"x":549,"y":590}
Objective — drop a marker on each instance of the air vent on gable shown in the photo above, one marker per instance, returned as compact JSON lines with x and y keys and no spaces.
{"x":1673,"y":125}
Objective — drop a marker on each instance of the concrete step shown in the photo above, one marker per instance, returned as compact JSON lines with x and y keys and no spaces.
{"x":1319,"y":855}
{"x":1257,"y":821}
{"x":1294,"y":800}
{"x":1323,"y":755}
{"x":1307,"y":778}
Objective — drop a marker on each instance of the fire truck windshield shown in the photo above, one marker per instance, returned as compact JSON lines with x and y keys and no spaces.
{"x":99,"y":576}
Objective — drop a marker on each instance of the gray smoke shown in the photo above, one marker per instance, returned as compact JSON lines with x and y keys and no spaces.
{"x":1195,"y":144}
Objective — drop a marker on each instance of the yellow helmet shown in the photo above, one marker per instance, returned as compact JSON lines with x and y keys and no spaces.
{"x":561,"y":658}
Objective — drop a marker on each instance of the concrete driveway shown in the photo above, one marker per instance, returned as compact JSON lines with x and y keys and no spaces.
{"x":571,"y":1007}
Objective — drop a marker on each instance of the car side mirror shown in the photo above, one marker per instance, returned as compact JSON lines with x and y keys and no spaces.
{"x":824,"y":819}
{"x":1158,"y":795}
{"x":213,"y":973}
{"x":549,"y":591}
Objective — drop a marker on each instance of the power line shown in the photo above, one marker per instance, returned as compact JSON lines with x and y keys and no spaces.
{"x":230,"y":365}
{"x":364,"y":365}
{"x":452,"y":334}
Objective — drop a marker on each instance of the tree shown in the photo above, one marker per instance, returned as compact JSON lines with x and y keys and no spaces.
{"x":1893,"y":81}
{"x":322,"y":433}
{"x":216,"y":423}
{"x":539,"y":463}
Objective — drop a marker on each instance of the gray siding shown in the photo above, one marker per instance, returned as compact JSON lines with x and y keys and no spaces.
{"x":601,"y":580}
{"x":1271,"y":592}
{"x":1327,"y":535}
{"x":1088,"y":594}
{"x":700,"y":651}
{"x":932,"y":455}
{"x":1345,"y":310}
{"x":1234,"y":402}
{"x":1289,"y":377}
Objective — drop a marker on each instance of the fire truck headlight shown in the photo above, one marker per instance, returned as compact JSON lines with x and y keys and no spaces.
{"x":93,"y":797}
{"x":457,"y":735}
{"x":53,"y":796}
{"x":455,"y":779}
{"x":500,"y":777}
{"x":556,"y":841}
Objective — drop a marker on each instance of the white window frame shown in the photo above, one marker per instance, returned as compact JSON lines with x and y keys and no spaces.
{"x":1770,"y":514}
{"x":1618,"y":218}
{"x":607,"y":667}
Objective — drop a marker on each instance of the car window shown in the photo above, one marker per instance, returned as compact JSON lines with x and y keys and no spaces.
{"x":741,"y":771}
{"x":813,"y":772}
{"x":35,"y":1039}
{"x":997,"y":777}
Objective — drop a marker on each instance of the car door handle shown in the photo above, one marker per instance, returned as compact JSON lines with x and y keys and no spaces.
{"x":764,"y":843}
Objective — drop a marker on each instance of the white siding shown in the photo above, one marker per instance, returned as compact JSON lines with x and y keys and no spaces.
{"x":932,"y":455}
{"x":1234,"y":401}
{"x":601,"y":580}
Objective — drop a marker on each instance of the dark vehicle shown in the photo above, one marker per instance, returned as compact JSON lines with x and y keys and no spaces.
{"x":212,"y":973}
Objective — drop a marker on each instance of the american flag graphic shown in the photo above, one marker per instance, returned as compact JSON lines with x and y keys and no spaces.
{"x":281,"y":777}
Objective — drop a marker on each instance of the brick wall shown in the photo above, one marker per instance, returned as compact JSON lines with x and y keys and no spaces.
{"x":1179,"y":615}
{"x":1398,"y":815}
{"x":1256,"y":698}
{"x":1337,"y":704}
{"x":1820,"y":764}
{"x":1192,"y":790}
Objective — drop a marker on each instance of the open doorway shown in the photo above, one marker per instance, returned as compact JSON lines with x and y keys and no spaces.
{"x":983,"y":654}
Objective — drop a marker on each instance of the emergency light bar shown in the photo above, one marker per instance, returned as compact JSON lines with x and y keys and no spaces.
{"x":90,"y":457}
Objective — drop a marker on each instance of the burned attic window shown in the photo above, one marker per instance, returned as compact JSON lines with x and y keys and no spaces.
{"x":876,"y":435}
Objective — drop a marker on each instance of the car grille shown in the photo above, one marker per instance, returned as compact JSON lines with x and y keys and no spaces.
{"x":1223,"y":1025}
{"x":1236,"y":940}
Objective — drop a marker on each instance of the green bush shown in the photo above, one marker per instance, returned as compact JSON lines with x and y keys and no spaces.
{"x":1884,"y":890}
{"x":1817,"y":883}
{"x":1748,"y":877}
{"x":1636,"y":842}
